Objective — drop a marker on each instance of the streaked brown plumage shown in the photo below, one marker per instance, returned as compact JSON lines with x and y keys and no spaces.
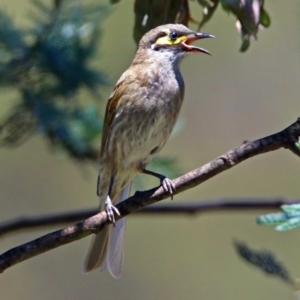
{"x":140,"y":115}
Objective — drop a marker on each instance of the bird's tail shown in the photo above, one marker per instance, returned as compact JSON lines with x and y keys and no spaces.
{"x":107,"y":246}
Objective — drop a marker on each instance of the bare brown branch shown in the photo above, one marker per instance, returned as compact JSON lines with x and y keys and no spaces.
{"x":284,"y":139}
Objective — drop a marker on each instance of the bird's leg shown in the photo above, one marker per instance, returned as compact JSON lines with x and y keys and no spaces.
{"x":98,"y":185}
{"x":165,"y":182}
{"x":110,"y":209}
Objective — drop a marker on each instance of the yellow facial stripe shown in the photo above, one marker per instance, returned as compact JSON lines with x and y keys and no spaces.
{"x":166,"y":40}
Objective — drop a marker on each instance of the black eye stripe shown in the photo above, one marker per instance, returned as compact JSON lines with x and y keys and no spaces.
{"x":173,"y":36}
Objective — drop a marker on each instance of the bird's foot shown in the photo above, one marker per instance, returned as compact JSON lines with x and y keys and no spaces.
{"x":165,"y":182}
{"x":168,"y":185}
{"x":111,"y":210}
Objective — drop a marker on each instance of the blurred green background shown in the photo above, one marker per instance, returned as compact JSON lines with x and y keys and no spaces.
{"x":230,"y":97}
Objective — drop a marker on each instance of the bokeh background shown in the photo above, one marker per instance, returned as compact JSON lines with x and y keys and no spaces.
{"x":230,"y":97}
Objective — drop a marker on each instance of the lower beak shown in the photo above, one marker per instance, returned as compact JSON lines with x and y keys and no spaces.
{"x":194,"y":37}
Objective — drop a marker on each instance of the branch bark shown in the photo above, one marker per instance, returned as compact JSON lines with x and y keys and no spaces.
{"x":287,"y":138}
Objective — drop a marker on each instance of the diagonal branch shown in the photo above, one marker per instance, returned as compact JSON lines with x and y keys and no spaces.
{"x":288,"y":138}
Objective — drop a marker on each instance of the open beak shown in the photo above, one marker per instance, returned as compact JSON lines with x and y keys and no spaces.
{"x":194,"y":37}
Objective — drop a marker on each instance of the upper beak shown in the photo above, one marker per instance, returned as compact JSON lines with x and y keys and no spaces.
{"x":193,"y":37}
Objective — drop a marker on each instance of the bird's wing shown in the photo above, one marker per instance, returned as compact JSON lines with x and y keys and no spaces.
{"x":112,"y":106}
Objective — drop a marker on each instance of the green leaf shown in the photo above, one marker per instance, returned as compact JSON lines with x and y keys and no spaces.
{"x":287,"y":220}
{"x":289,"y":225}
{"x":265,"y":19}
{"x":245,"y":45}
{"x":272,"y":219}
{"x":291,"y":208}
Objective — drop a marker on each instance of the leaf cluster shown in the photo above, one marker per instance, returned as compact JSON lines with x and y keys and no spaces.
{"x":48,"y":65}
{"x":250,"y":15}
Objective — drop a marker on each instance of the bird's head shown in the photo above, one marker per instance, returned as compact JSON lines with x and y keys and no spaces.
{"x":174,"y":39}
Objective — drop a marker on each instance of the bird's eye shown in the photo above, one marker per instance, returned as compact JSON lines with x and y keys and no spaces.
{"x":173,"y":36}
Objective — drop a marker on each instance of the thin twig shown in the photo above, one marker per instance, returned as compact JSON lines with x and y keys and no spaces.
{"x":212,"y":205}
{"x":284,"y":139}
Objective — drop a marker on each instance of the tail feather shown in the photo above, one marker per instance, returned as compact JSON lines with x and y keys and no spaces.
{"x":115,"y":253}
{"x":107,"y":246}
{"x":97,"y":251}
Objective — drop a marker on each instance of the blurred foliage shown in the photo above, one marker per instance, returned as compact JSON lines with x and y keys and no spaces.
{"x":152,"y":13}
{"x":48,"y":65}
{"x":264,"y":260}
{"x":287,"y":220}
{"x":250,"y":15}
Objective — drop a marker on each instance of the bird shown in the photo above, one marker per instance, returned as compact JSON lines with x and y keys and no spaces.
{"x":140,"y":115}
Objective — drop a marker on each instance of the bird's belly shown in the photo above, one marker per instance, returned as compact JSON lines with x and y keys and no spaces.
{"x":142,"y":137}
{"x":145,"y":141}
